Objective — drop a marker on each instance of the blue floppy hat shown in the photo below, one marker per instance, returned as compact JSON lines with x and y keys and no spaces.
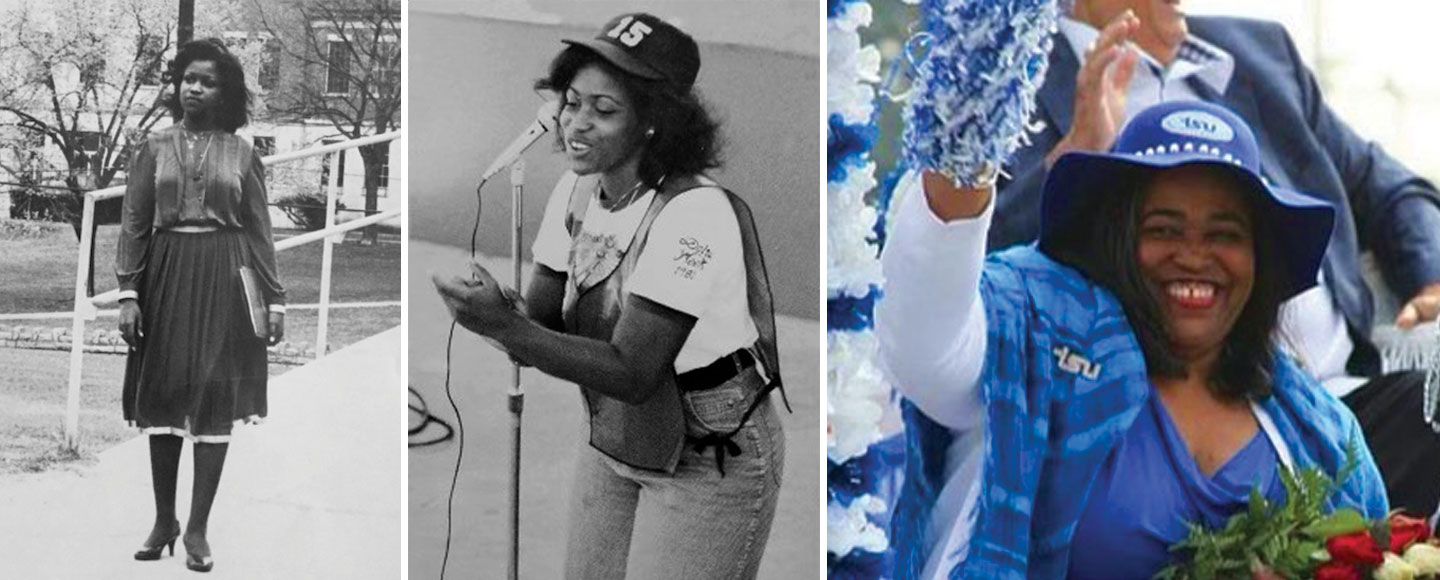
{"x":1179,"y":133}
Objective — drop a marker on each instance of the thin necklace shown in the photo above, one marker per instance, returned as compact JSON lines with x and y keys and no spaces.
{"x":197,"y":171}
{"x":623,"y":200}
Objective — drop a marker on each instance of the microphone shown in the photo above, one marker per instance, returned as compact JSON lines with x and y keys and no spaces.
{"x":545,"y":121}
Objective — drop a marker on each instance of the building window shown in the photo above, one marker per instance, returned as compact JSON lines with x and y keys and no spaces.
{"x":269,"y":75}
{"x":264,"y":146}
{"x":87,"y":144}
{"x":382,"y":151}
{"x":151,"y":49}
{"x":389,"y":55}
{"x":325,"y":167}
{"x":337,"y":72}
{"x":92,"y":71}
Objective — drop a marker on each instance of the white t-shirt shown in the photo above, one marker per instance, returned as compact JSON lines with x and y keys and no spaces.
{"x":692,"y":261}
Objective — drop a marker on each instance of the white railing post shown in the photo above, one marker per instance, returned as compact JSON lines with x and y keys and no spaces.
{"x":327,"y":256}
{"x":83,"y":310}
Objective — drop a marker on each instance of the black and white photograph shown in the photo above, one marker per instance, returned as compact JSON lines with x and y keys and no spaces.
{"x":201,"y":210}
{"x":613,"y":286}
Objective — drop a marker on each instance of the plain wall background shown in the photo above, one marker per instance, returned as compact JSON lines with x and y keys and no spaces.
{"x":470,"y":96}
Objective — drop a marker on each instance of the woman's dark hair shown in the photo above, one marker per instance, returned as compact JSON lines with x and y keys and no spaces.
{"x":1104,"y":246}
{"x":233,"y":109}
{"x":686,"y":140}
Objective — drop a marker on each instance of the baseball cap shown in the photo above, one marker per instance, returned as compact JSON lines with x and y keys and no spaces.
{"x":1179,"y":133}
{"x":646,"y":46}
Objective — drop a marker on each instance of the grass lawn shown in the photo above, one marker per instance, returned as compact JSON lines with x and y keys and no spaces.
{"x":39,"y":265}
{"x":347,"y":325}
{"x":32,"y":408}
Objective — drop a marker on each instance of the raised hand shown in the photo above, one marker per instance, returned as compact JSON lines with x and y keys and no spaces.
{"x":1100,"y":88}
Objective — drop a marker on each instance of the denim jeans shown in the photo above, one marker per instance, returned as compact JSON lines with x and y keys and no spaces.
{"x":692,"y":524}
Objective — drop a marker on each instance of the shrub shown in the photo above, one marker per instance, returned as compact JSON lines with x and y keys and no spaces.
{"x":52,"y":205}
{"x":306,"y":209}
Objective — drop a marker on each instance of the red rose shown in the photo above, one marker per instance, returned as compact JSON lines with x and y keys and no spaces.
{"x":1333,"y":570}
{"x":1405,"y":530}
{"x":1355,"y":548}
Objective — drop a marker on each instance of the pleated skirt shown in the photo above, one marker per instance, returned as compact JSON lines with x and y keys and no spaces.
{"x":199,"y":369}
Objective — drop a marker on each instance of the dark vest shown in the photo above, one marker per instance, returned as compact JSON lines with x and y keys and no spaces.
{"x":650,"y":435}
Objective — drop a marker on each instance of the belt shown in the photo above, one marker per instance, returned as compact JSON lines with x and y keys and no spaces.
{"x":193,"y":229}
{"x":716,"y":373}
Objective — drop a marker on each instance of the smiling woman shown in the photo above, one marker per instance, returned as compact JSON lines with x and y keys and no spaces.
{"x":1138,"y":333}
{"x":1195,"y":276}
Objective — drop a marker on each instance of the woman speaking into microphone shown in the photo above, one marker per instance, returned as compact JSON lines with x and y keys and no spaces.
{"x":649,"y":292}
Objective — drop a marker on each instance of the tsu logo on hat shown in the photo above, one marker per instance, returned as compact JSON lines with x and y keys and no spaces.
{"x":648,"y":47}
{"x":1178,"y":133}
{"x":1194,"y":130}
{"x":1198,"y":124}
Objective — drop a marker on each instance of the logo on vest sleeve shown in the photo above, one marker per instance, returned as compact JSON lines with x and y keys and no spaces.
{"x":1071,"y":362}
{"x":1198,"y":124}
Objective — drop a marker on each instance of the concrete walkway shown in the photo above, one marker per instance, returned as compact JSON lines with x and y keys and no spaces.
{"x":314,"y":492}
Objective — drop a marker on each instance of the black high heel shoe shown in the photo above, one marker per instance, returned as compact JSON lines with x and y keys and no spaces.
{"x":198,"y":562}
{"x":148,"y":552}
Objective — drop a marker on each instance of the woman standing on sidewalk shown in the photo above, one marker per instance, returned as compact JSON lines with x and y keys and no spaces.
{"x":196,"y":214}
{"x":650,"y":293}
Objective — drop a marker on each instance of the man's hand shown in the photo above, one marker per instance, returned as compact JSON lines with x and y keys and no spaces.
{"x":1100,"y":89}
{"x":1424,"y":307}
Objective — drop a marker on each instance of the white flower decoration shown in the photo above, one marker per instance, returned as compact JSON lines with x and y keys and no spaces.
{"x":1424,"y":557}
{"x":848,"y":529}
{"x":1395,"y":568}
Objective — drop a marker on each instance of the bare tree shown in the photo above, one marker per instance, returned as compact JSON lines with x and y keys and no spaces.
{"x":83,"y":77}
{"x":349,"y":73}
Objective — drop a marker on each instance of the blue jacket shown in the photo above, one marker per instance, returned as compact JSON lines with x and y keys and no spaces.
{"x":1379,"y":204}
{"x":1064,"y":379}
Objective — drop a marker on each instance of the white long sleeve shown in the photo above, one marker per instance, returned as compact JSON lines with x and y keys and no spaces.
{"x":931,"y":323}
{"x":931,"y":329}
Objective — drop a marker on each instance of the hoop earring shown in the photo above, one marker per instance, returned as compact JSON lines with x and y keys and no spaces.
{"x":649,"y":132}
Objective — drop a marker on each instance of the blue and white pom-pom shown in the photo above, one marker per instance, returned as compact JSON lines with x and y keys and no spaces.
{"x":974,"y":86}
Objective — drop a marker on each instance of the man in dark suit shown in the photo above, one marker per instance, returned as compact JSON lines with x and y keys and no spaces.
{"x":1112,"y":58}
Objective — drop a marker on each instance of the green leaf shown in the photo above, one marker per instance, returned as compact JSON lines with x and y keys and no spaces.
{"x":1380,"y":531}
{"x":1343,"y":521}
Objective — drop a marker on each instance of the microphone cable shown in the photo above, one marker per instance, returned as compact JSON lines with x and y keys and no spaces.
{"x":418,"y":407}
{"x":459,"y":421}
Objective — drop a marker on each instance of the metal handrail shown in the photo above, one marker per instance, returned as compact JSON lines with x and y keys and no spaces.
{"x":119,"y":190}
{"x":86,"y":306}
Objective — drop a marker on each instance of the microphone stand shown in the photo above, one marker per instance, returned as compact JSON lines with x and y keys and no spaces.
{"x":516,"y":395}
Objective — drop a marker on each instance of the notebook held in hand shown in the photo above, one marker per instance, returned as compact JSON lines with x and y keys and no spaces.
{"x":255,"y":303}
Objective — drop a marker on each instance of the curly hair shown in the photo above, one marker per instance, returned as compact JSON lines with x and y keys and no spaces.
{"x":1106,"y":254}
{"x":687,"y":138}
{"x":233,"y":110}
